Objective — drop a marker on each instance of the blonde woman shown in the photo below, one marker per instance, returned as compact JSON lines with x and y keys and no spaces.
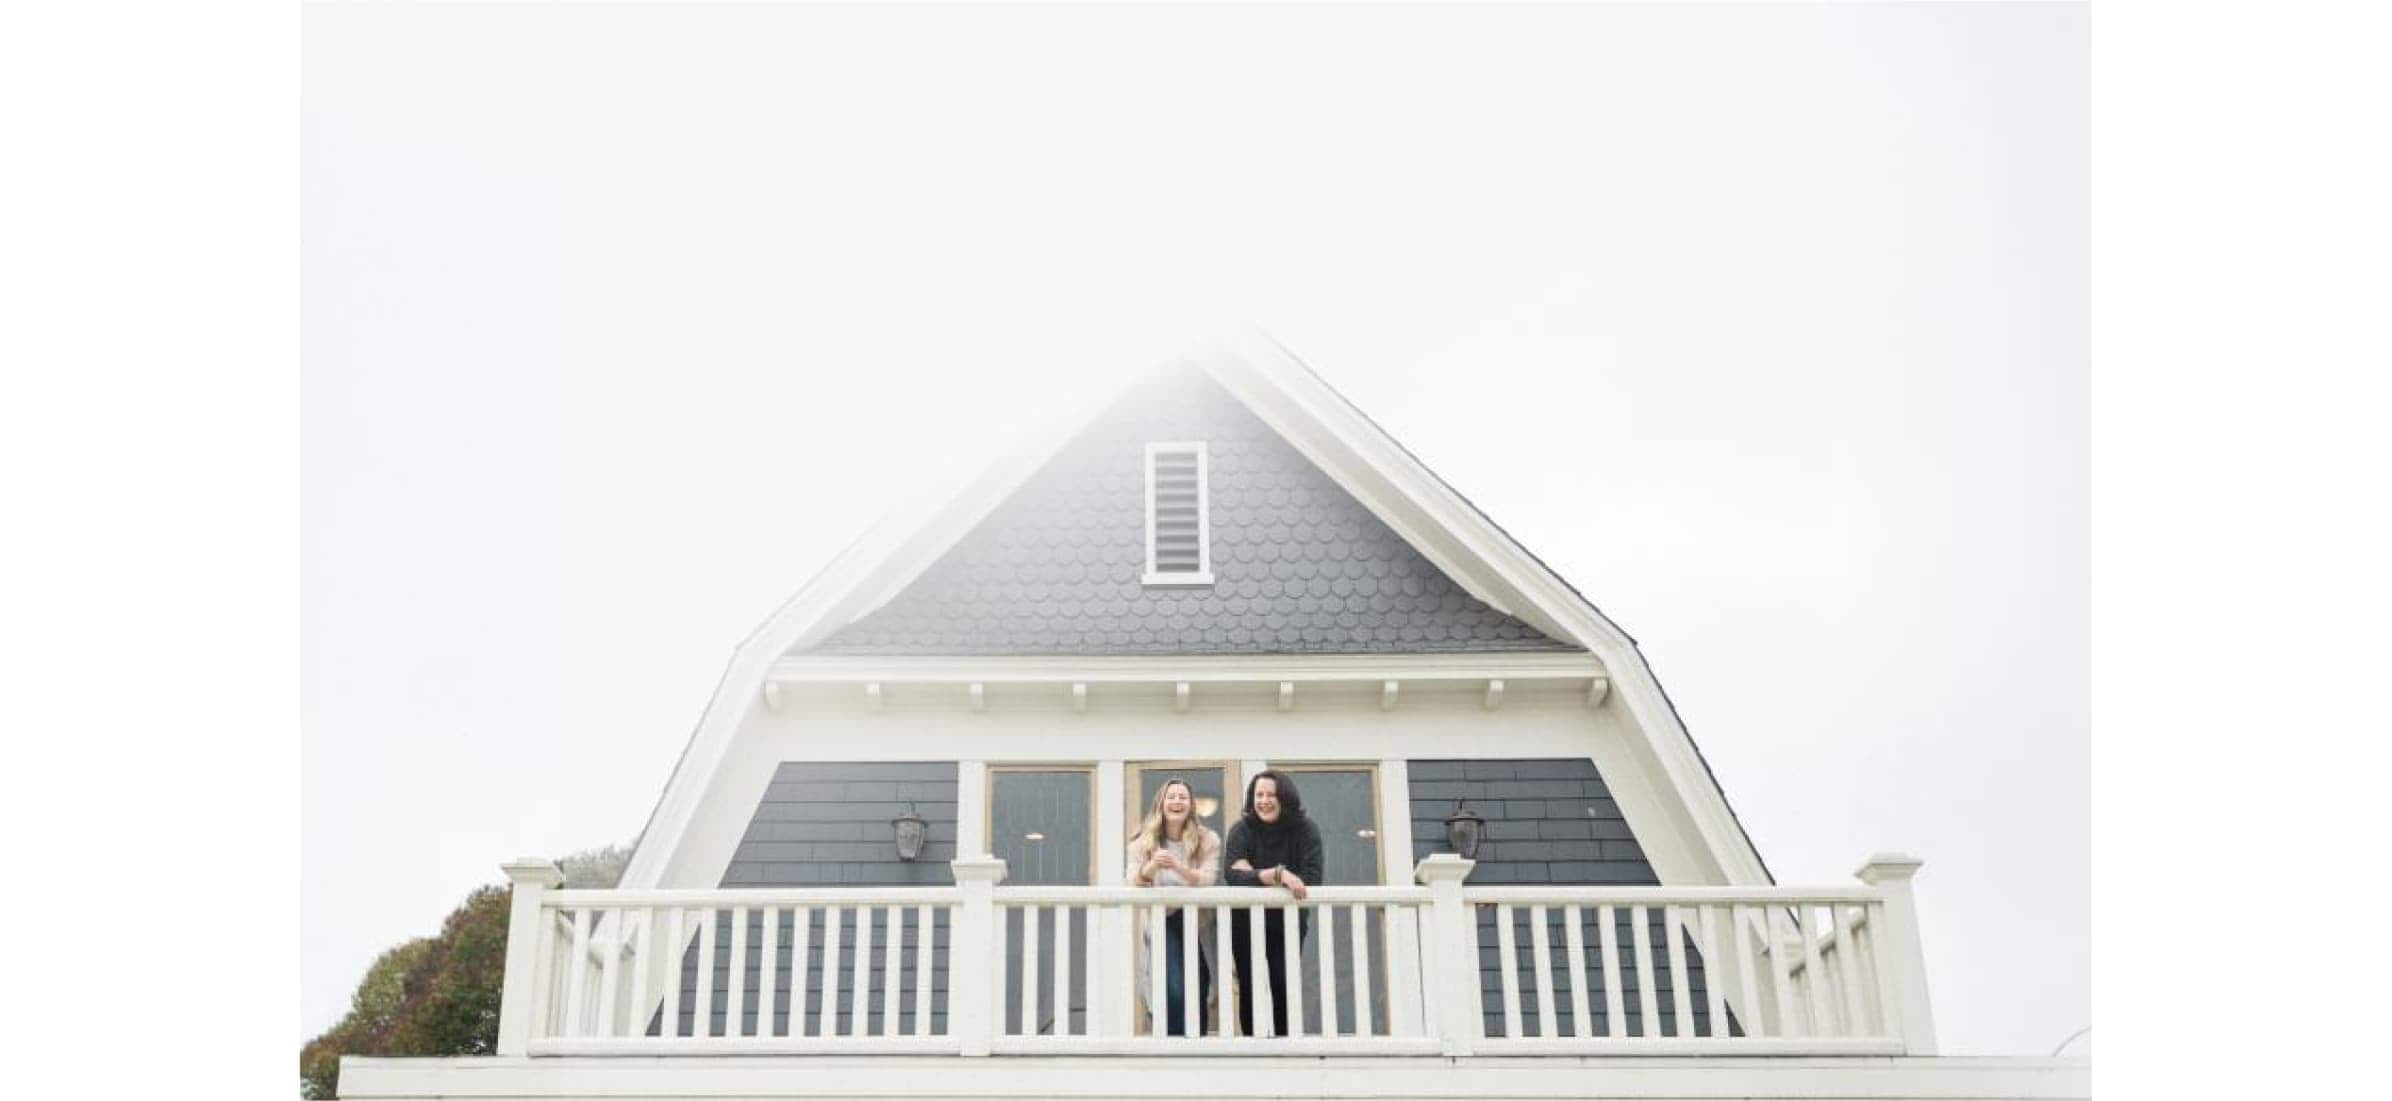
{"x":1173,"y":849}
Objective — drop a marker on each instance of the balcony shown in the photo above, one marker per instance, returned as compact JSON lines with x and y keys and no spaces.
{"x":1440,"y":968}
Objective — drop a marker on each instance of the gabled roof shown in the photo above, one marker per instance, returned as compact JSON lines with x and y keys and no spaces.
{"x":1451,"y":538}
{"x":1299,"y":566}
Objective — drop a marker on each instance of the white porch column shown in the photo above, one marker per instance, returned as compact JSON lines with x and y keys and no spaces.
{"x":1395,"y":814}
{"x":1112,"y":960}
{"x":1901,"y":957}
{"x":1453,"y":931}
{"x":971,"y":808}
{"x":972,"y":1012}
{"x":519,"y":994}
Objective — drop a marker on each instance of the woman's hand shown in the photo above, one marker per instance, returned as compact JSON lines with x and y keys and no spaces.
{"x":1294,"y":883}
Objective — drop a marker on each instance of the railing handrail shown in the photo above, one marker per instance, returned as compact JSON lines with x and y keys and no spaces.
{"x":1669,"y":896}
{"x":580,"y":897}
{"x":1556,"y":894}
{"x":1201,"y":896}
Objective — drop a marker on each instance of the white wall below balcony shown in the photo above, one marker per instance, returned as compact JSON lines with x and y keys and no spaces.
{"x":1393,"y":1078}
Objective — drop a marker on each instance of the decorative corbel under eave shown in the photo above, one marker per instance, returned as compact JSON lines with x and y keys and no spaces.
{"x":1387,"y":690}
{"x":772,"y":695}
{"x":1079,"y":697}
{"x":1494,"y":693}
{"x":1597,"y":689}
{"x":1287,"y":695}
{"x":979,"y":696}
{"x":872,"y":695}
{"x":1180,"y":698}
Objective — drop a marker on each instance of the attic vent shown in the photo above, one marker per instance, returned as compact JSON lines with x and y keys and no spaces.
{"x":1178,"y":527}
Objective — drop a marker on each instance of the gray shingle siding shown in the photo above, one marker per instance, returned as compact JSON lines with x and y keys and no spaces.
{"x":1551,"y":821}
{"x":828,"y":824}
{"x":1300,"y":566}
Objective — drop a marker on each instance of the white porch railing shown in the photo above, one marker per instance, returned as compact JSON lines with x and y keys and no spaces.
{"x":1439,"y":968}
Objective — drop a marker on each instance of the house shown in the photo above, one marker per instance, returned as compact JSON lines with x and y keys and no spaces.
{"x":890,"y":861}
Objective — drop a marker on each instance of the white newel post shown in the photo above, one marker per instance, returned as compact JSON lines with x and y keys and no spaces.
{"x":972,"y":1012}
{"x":1901,"y":958}
{"x":519,"y":990}
{"x":1453,"y":931}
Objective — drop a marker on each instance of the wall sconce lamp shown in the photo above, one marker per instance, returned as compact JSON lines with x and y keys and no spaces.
{"x":1463,"y":830}
{"x":911,"y":832}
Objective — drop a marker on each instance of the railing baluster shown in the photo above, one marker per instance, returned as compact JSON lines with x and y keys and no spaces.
{"x":1092,"y":925}
{"x":859,"y":1003}
{"x":1158,"y":1020}
{"x":1747,"y":968}
{"x":998,"y":951}
{"x":925,"y":927}
{"x":1507,"y":955}
{"x":1403,"y":943}
{"x":1582,"y":1022}
{"x":768,"y":971}
{"x":1062,"y":970}
{"x":799,"y":918}
{"x":892,"y":969}
{"x":1327,"y":957}
{"x":738,"y":983}
{"x":1880,"y":982}
{"x":1615,"y":1009}
{"x":579,"y":972}
{"x":830,"y":971}
{"x":643,"y":956}
{"x":1261,"y":997}
{"x":1029,"y":988}
{"x":704,"y":1010}
{"x":1648,"y":996}
{"x":1191,"y":977}
{"x":1814,"y":985}
{"x":1359,"y":917}
{"x":608,"y":966}
{"x":1541,"y":942}
{"x":1291,"y":953}
{"x":678,"y":943}
{"x":1681,"y":991}
{"x":1850,"y":968}
{"x":1224,"y":1009}
{"x":1714,"y":988}
{"x":1780,"y":977}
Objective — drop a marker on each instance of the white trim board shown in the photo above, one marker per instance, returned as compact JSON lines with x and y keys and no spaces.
{"x":1351,"y":450}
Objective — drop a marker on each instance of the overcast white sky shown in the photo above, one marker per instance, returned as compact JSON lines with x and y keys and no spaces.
{"x":1766,"y":327}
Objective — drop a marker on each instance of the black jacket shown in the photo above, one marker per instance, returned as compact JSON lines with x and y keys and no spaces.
{"x":1295,"y":845}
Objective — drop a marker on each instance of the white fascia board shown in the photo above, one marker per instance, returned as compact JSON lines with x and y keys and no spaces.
{"x":1211,"y":669}
{"x":1402,"y":492}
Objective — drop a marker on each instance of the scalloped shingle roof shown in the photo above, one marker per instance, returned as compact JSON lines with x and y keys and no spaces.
{"x":1299,"y":566}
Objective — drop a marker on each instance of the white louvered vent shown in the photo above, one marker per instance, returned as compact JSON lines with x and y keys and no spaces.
{"x":1178,"y":524}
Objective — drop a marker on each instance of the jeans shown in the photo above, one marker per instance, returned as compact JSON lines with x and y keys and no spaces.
{"x":1273,"y":954}
{"x":1175,"y":993}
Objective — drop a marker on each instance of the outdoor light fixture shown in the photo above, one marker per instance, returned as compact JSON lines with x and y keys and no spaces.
{"x":1463,"y":828}
{"x":911,"y":832}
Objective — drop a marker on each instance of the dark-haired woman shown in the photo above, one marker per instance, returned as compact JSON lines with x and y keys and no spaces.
{"x":1272,"y":845}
